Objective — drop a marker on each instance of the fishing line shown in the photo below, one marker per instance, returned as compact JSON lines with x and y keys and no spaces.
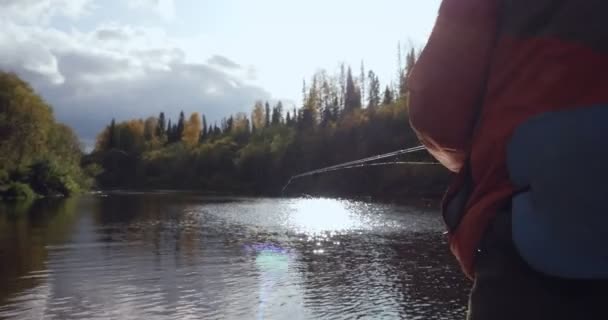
{"x":366,"y":162}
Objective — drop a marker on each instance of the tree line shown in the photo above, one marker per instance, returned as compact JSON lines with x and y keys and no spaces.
{"x":342,"y":117}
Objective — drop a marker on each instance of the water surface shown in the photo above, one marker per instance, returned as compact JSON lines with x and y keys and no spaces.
{"x":185,"y":256}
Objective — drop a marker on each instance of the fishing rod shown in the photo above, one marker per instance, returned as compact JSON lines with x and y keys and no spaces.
{"x":366,"y":162}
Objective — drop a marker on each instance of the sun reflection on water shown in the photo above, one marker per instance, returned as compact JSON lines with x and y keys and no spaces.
{"x":315,"y":216}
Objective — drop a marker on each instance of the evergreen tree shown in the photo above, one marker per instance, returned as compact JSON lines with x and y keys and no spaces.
{"x":288,"y":119}
{"x":304,"y":92}
{"x":374,"y":90}
{"x":335,"y":110}
{"x":312,"y":104}
{"x":306,"y":121}
{"x":169,"y":132}
{"x":362,"y":80}
{"x":229,"y":124}
{"x":399,"y":83}
{"x":181,"y":125}
{"x":277,"y":114}
{"x":176,"y":135}
{"x":326,"y":117}
{"x":353,"y":95}
{"x":161,"y":126}
{"x":342,"y":81}
{"x":267,"y":115}
{"x":410,"y":61}
{"x":204,"y":133}
{"x":112,"y":143}
{"x":388,"y":96}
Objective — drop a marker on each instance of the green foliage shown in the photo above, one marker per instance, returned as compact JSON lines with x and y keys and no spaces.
{"x":17,"y":191}
{"x":35,"y":150}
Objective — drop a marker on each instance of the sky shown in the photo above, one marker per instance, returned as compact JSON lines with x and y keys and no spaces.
{"x":94,"y":60}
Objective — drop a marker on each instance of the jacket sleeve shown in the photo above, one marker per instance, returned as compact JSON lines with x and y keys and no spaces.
{"x":448,"y":81}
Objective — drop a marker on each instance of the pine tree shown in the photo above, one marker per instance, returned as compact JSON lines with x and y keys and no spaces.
{"x":161,"y":126}
{"x":410,"y":61}
{"x":112,"y":143}
{"x":181,"y":124}
{"x":362,"y":80}
{"x":229,"y":124}
{"x":288,"y":119}
{"x":374,"y":90}
{"x":353,"y":95}
{"x":277,"y":114}
{"x":169,"y":132}
{"x":267,"y":115}
{"x":312,"y":104}
{"x":388,"y":96}
{"x":399,"y":68}
{"x":342,"y":81}
{"x":304,"y":92}
{"x":335,"y":110}
{"x":204,"y":129}
{"x":326,"y":117}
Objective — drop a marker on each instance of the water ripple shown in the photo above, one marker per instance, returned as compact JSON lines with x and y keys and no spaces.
{"x":141,"y":256}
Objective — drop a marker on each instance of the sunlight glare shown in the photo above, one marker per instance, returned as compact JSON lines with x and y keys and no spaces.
{"x":323,"y":215}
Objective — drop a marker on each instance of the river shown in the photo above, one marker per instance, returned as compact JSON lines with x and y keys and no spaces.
{"x":170,"y":255}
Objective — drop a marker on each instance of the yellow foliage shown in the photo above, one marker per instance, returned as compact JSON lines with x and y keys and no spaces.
{"x":257,"y":116}
{"x":192,"y":130}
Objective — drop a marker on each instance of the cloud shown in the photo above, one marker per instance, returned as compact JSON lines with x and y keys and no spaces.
{"x":223,"y":62}
{"x":117,"y":71}
{"x":164,"y":8}
{"x":41,"y":11}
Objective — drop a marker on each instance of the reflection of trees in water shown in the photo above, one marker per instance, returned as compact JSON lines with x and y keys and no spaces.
{"x":175,"y":258}
{"x":383,"y":275}
{"x":26,"y":229}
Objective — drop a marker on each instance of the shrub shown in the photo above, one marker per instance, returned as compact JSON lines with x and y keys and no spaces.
{"x":18,"y":190}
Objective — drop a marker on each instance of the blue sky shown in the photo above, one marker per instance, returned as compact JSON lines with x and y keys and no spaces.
{"x":98,"y":59}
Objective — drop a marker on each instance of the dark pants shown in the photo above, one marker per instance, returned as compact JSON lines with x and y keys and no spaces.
{"x":507,"y":288}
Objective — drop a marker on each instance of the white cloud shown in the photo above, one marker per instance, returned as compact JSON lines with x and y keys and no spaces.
{"x":41,"y":11}
{"x":164,"y":8}
{"x":115,"y":70}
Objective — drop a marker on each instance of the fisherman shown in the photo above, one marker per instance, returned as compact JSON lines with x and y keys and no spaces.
{"x":512,"y":96}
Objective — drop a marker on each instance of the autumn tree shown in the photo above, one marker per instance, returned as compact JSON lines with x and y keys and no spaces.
{"x":192,"y":130}
{"x":257,"y":115}
{"x":150,"y":129}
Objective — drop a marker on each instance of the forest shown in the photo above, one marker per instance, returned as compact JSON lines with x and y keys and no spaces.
{"x":342,"y":117}
{"x":38,"y":155}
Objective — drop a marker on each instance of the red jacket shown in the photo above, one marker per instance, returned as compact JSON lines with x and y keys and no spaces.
{"x":489,"y":65}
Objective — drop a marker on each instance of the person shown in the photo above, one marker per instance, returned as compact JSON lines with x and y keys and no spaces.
{"x":512,"y":96}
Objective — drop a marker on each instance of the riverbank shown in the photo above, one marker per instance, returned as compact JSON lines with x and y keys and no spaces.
{"x":421,"y":185}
